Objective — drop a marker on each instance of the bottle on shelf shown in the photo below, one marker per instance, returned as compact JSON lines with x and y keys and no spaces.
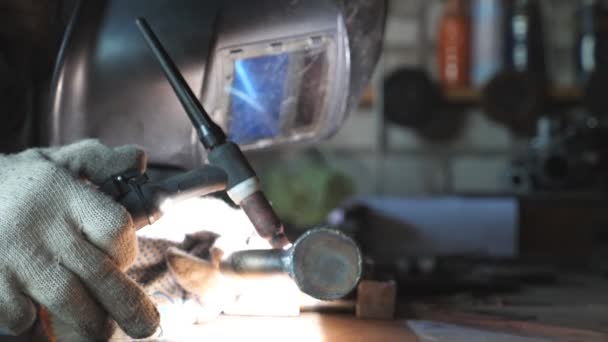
{"x":453,"y":49}
{"x":517,"y":96}
{"x":524,"y":41}
{"x":591,"y":57}
{"x":486,"y":40}
{"x":592,"y":32}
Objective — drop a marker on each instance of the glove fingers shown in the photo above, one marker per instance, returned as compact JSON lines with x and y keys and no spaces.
{"x":106,"y":225}
{"x":122,"y":298}
{"x":66,"y":298}
{"x":96,"y":162}
{"x":202,"y":278}
{"x":195,"y":275}
{"x":17,"y":312}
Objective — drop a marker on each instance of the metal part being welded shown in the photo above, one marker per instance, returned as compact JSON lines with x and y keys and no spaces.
{"x":324,"y":263}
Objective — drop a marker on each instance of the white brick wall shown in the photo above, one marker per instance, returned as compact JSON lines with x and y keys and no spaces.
{"x":479,"y":175}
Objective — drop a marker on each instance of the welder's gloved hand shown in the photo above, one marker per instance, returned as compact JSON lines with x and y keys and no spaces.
{"x":64,"y":245}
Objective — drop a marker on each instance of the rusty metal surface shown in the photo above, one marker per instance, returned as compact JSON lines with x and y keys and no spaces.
{"x":324,"y":263}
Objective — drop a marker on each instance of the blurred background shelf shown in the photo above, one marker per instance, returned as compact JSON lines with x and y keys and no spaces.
{"x":472,"y":96}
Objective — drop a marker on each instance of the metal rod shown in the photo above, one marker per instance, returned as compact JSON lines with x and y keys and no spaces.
{"x":257,"y":262}
{"x":210,"y":134}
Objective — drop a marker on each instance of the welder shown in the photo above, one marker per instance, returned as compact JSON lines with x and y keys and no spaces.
{"x":270,"y":73}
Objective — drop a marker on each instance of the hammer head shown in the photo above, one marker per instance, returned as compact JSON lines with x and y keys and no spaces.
{"x":325,"y":264}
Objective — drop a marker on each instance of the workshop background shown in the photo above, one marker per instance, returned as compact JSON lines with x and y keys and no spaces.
{"x":502,"y":170}
{"x":476,"y":158}
{"x":475,"y":186}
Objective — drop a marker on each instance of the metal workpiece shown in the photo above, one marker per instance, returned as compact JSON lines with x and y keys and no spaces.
{"x":324,"y":263}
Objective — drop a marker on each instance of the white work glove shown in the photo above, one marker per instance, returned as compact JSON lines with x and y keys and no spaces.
{"x":178,"y":262}
{"x":64,"y":245}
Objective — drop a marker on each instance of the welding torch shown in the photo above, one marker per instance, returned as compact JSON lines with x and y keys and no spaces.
{"x":324,"y":263}
{"x":228,"y":169}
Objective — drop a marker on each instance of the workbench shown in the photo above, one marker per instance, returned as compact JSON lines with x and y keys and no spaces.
{"x":574,"y":308}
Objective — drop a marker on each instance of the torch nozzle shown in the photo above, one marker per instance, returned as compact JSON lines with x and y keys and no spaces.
{"x":264,"y":219}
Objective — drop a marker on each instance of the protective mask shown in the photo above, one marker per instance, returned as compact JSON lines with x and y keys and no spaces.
{"x":269,"y":72}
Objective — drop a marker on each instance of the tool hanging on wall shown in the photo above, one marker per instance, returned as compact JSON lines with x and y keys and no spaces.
{"x":517,"y":96}
{"x":413,"y":100}
{"x":486,"y":40}
{"x":591,"y":55}
{"x":590,"y":47}
{"x":453,"y":49}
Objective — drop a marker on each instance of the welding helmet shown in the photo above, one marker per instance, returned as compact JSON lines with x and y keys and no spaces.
{"x":269,"y":72}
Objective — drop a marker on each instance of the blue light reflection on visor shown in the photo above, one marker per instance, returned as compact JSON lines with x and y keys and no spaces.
{"x":256,"y":97}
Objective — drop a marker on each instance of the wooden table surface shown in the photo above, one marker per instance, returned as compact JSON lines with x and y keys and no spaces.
{"x":308,"y":327}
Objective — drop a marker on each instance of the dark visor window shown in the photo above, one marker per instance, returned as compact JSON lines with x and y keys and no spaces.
{"x":256,"y":96}
{"x":276,"y":94}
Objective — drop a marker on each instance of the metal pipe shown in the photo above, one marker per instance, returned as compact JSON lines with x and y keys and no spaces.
{"x":324,"y":263}
{"x":254,"y":262}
